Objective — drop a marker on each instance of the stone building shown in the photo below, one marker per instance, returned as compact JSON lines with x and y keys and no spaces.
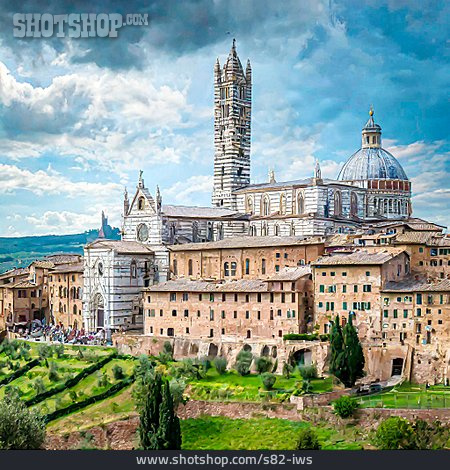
{"x":234,"y":310}
{"x":65,"y":285}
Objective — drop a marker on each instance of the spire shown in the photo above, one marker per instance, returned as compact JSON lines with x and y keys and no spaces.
{"x":272,"y":176}
{"x":158,"y":200}
{"x":101,"y":232}
{"x":126,"y":202}
{"x":371,"y":132}
{"x":317,"y":173}
{"x":141,"y":180}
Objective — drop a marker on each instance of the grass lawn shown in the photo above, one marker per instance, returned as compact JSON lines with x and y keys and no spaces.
{"x":87,"y":387}
{"x":114,"y":408}
{"x":218,"y":433}
{"x":408,"y":395}
{"x":234,"y":387}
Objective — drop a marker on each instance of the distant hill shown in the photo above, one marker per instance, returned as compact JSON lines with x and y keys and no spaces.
{"x":21,"y":251}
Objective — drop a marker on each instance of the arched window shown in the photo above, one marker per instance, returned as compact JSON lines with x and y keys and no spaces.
{"x":141,"y":203}
{"x":249,"y":205}
{"x":60,"y":291}
{"x":276,"y":230}
{"x":292,"y":229}
{"x":226,"y":269}
{"x":75,"y":310}
{"x":133,"y":270}
{"x":353,"y":204}
{"x":265,"y":205}
{"x":247,"y":266}
{"x":190,"y":268}
{"x":60,"y":307}
{"x":282,"y":204}
{"x":79,"y":293}
{"x":252,"y":231}
{"x":65,"y":293}
{"x":220,"y":232}
{"x":337,"y":203}
{"x":264,"y":230}
{"x":233,"y":268}
{"x":209,"y":232}
{"x":300,"y":204}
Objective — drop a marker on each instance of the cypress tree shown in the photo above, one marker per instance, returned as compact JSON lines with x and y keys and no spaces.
{"x":354,"y":356}
{"x":149,"y":414}
{"x":337,"y":354}
{"x":169,"y":432}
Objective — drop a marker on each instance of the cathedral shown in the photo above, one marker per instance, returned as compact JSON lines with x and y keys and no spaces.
{"x":371,"y":187}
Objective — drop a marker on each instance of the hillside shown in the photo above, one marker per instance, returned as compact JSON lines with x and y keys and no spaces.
{"x":21,"y":251}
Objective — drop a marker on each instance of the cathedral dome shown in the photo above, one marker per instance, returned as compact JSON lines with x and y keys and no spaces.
{"x":371,"y":161}
{"x":372,"y":164}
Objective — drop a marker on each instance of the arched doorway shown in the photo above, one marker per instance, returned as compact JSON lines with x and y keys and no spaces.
{"x":99,"y":311}
{"x":212,"y":351}
{"x":301,"y":358}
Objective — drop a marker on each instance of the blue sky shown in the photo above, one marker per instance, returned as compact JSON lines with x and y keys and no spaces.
{"x":80,"y":118}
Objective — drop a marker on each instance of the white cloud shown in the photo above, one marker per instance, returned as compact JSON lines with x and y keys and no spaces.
{"x":185,"y":192}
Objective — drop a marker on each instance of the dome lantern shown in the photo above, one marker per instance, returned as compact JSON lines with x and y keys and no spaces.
{"x":371,"y":133}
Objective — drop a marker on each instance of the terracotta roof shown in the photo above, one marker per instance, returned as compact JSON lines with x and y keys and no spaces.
{"x":68,"y":268}
{"x":414,"y":285}
{"x":357,"y":257}
{"x":64,"y":258}
{"x":291,"y":274}
{"x":15,"y":272}
{"x":413,"y":237}
{"x":247,"y":242}
{"x":186,"y":285}
{"x":120,"y":246}
{"x":45,"y":264}
{"x":23,"y":285}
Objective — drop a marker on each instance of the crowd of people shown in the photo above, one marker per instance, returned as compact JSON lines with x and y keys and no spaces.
{"x":40,"y":331}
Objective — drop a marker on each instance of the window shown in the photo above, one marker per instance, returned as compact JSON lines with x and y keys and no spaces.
{"x":271,"y":314}
{"x":344,"y":273}
{"x":200,"y":297}
{"x":211,"y":333}
{"x":355,"y":288}
{"x":235,"y":314}
{"x":174,"y":313}
{"x":367,"y":288}
{"x":395,"y":313}
{"x":271,"y":297}
{"x":419,"y":312}
{"x":211,"y":315}
{"x":332,"y":273}
{"x":161,"y":313}
{"x":263,"y":266}
{"x":141,"y":203}
{"x":187,"y":330}
{"x":247,"y":266}
{"x":277,"y":268}
{"x":405,"y":313}
{"x":367,"y":273}
{"x":259,"y":315}
{"x":344,"y":288}
{"x":185,"y":296}
{"x":223,"y":331}
{"x":277,"y":255}
{"x":133,"y":270}
{"x":211,"y":297}
{"x":332,"y":289}
{"x":259,"y":297}
{"x":247,"y":314}
{"x":186,"y":312}
{"x":283,"y":297}
{"x":233,"y":268}
{"x":175,"y":267}
{"x":293,"y":297}
{"x":419,"y":299}
{"x":385,"y":313}
{"x":344,"y":305}
{"x":321,"y":288}
{"x":224,"y":297}
{"x":198,"y":313}
{"x":226,"y":269}
{"x":190,"y":268}
{"x":173,"y":296}
{"x":247,"y":298}
{"x":223,"y":313}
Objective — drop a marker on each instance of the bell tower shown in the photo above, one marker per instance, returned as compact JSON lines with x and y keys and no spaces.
{"x":232,"y":126}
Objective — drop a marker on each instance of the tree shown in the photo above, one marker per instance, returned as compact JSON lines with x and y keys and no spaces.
{"x":169,"y":431}
{"x":220,"y":363}
{"x":287,"y":370}
{"x":20,"y":428}
{"x":307,"y":440}
{"x":354,"y":356}
{"x":428,"y":436}
{"x":263,"y":364}
{"x":268,"y":380}
{"x":149,"y":405}
{"x":243,"y":362}
{"x":308,"y":372}
{"x":337,"y":357}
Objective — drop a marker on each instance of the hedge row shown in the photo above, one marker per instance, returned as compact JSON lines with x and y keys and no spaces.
{"x":19,"y":372}
{"x":89,"y":401}
{"x":70,"y":382}
{"x":306,"y":337}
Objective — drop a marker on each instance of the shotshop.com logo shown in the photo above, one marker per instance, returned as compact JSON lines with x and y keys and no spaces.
{"x":74,"y":25}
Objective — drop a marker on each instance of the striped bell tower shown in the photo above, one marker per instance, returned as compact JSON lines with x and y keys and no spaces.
{"x":232,"y":129}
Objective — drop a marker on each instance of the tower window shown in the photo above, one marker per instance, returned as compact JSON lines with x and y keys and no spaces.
{"x":239,"y":171}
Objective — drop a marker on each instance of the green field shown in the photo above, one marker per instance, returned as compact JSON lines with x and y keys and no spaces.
{"x":233,"y":387}
{"x":409,"y":395}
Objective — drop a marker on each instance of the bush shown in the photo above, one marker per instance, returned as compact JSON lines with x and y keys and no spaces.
{"x":243,"y":362}
{"x":268,"y":380}
{"x":59,"y":350}
{"x":345,"y":406}
{"x":287,"y":370}
{"x":393,"y":433}
{"x":73,"y":395}
{"x":307,"y":386}
{"x":220,"y":363}
{"x":301,"y":337}
{"x":205,"y":363}
{"x":308,"y":372}
{"x":118,"y":372}
{"x":39,"y":386}
{"x":307,"y":440}
{"x":263,"y":364}
{"x":53,"y":372}
{"x":429,"y":436}
{"x":20,"y":427}
{"x":45,"y":351}
{"x":177,"y":388}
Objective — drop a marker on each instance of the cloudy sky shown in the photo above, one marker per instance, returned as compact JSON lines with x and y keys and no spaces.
{"x":80,"y":117}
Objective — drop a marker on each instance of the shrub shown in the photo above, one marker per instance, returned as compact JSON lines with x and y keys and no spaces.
{"x":324,"y":337}
{"x":307,"y":386}
{"x":301,"y":337}
{"x":166,"y":355}
{"x":268,"y":380}
{"x":39,"y":386}
{"x":45,"y":351}
{"x":53,"y":372}
{"x":103,"y":380}
{"x":243,"y":362}
{"x":393,"y":433}
{"x":287,"y":370}
{"x":345,"y":406}
{"x":220,"y":364}
{"x":73,"y":395}
{"x":263,"y":364}
{"x":118,"y":372}
{"x":205,"y":363}
{"x":429,"y":436}
{"x":307,"y":440}
{"x":177,"y":388}
{"x":20,"y":427}
{"x":308,"y":372}
{"x":59,"y":350}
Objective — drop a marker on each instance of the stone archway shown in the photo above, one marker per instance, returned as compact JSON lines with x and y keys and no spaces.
{"x":247,"y":347}
{"x":265,"y":351}
{"x":212,"y":351}
{"x":301,"y":357}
